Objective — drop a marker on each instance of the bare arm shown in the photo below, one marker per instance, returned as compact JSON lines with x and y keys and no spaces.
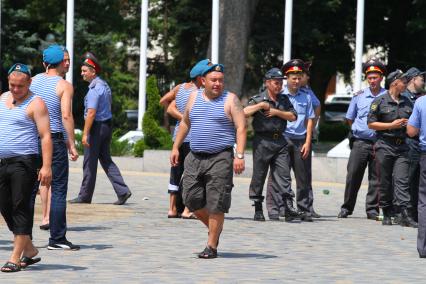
{"x":317,"y":112}
{"x":88,"y":122}
{"x":252,"y":109}
{"x":239,"y":119}
{"x":306,"y":148}
{"x":173,"y":111}
{"x":67,"y":92}
{"x":38,"y":112}
{"x":412,"y":131}
{"x":169,"y":96}
{"x":349,"y":122}
{"x":184,"y":127}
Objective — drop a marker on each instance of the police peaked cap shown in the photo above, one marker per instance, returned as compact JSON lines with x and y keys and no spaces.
{"x":90,"y":60}
{"x":294,"y":66}
{"x":373,"y":65}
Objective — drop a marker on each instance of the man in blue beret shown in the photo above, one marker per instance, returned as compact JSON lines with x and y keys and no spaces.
{"x":97,"y":135}
{"x":175,"y":101}
{"x":415,"y":89}
{"x":23,"y":119}
{"x":270,"y":111}
{"x":215,"y":119}
{"x":57,"y":93}
{"x":362,"y":144}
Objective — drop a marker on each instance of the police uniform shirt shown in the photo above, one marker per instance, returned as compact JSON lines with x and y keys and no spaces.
{"x":315,"y":101}
{"x":385,"y":109}
{"x":99,"y":98}
{"x":418,"y":120}
{"x":358,"y":112}
{"x":303,"y":105}
{"x":274,"y":124}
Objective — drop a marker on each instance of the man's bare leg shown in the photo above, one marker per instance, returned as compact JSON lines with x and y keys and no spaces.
{"x":215,"y":228}
{"x":203,"y":216}
{"x":45,"y":195}
{"x":172,"y":206}
{"x":30,"y":250}
{"x":19,"y":244}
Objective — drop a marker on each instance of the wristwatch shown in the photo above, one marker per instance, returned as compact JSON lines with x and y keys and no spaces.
{"x":240,"y":156}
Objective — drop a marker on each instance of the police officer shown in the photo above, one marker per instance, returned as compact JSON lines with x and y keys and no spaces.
{"x":270,"y":112}
{"x":414,"y":90}
{"x":299,"y":136}
{"x":97,"y":135}
{"x":361,"y":142}
{"x":417,"y":125}
{"x":388,"y":115}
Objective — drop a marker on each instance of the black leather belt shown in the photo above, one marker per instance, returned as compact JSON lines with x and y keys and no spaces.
{"x":57,"y":135}
{"x":206,"y":155}
{"x":270,"y":135}
{"x":365,"y":140}
{"x":394,"y":140}
{"x":12,"y":160}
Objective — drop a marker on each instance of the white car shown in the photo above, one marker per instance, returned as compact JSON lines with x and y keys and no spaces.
{"x":336,"y":106}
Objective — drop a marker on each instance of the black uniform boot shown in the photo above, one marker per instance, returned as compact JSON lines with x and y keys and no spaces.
{"x":387,"y":219}
{"x":290,"y":211}
{"x":406,"y":220}
{"x":258,"y":211}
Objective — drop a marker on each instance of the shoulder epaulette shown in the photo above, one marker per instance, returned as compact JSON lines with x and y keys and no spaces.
{"x":359,"y":92}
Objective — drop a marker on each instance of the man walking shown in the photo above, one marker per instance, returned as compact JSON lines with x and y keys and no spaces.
{"x":57,"y":93}
{"x":97,"y":135}
{"x":23,"y":118}
{"x":362,"y":144}
{"x":270,"y":112}
{"x":214,"y":117}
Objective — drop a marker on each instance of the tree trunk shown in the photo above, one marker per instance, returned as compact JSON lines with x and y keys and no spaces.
{"x":236,"y":18}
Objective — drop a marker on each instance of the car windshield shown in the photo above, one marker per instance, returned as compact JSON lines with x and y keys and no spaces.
{"x":336,"y":107}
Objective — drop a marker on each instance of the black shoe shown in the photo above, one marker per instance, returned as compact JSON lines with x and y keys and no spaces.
{"x":274,"y":217}
{"x":258,"y":216}
{"x":65,"y":245}
{"x":344,"y":213}
{"x":306,"y":217}
{"x":77,"y":200}
{"x":123,"y":198}
{"x":45,"y":227}
{"x":372,"y":216}
{"x":422,"y":256}
{"x":289,"y":210}
{"x":208,"y":253}
{"x":406,"y":220}
{"x":387,"y":221}
{"x":315,"y":214}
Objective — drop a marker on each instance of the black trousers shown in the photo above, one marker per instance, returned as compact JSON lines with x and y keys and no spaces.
{"x":421,"y":235}
{"x":362,"y":155}
{"x":17,"y":178}
{"x":269,"y":153}
{"x":393,"y":163}
{"x":414,"y":173}
{"x":100,"y":142}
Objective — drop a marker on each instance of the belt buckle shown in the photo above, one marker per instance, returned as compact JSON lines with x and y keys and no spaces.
{"x":275,"y":136}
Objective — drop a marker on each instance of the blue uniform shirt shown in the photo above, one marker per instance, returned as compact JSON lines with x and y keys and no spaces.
{"x":303,"y":105}
{"x":99,"y":98}
{"x":315,"y":101}
{"x":358,"y":112}
{"x":418,"y":120}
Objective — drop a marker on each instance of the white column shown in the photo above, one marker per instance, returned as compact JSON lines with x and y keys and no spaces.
{"x":359,"y":44}
{"x":70,"y":38}
{"x":142,"y":62}
{"x":215,"y":31}
{"x":287,"y":30}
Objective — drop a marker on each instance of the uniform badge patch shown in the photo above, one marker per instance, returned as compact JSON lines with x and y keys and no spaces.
{"x":373,"y":107}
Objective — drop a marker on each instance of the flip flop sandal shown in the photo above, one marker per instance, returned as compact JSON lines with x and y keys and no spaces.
{"x":10,"y":267}
{"x":173,"y":216}
{"x":208,"y":253}
{"x":191,"y":216}
{"x":27,"y":261}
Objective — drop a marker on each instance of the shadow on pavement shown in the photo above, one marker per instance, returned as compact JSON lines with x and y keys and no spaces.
{"x":245,"y":255}
{"x":42,"y":267}
{"x":87,"y":228}
{"x":239,"y":218}
{"x":96,"y":247}
{"x":5,"y":242}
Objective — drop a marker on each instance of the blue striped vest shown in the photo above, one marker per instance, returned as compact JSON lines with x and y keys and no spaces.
{"x":181,"y":101}
{"x":211,"y":129}
{"x":18,"y":132}
{"x":45,"y":87}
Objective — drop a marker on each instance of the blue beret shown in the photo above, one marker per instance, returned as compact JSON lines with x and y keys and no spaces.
{"x":19,"y":67}
{"x":214,"y":67}
{"x":413,"y":72}
{"x":54,"y":54}
{"x":198,"y":68}
{"x":274,"y":73}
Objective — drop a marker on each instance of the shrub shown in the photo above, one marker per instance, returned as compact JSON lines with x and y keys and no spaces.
{"x":155,"y":137}
{"x":333,"y":131}
{"x":139,"y":148}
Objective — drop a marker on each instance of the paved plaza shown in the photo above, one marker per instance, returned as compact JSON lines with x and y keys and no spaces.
{"x":137,"y":243}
